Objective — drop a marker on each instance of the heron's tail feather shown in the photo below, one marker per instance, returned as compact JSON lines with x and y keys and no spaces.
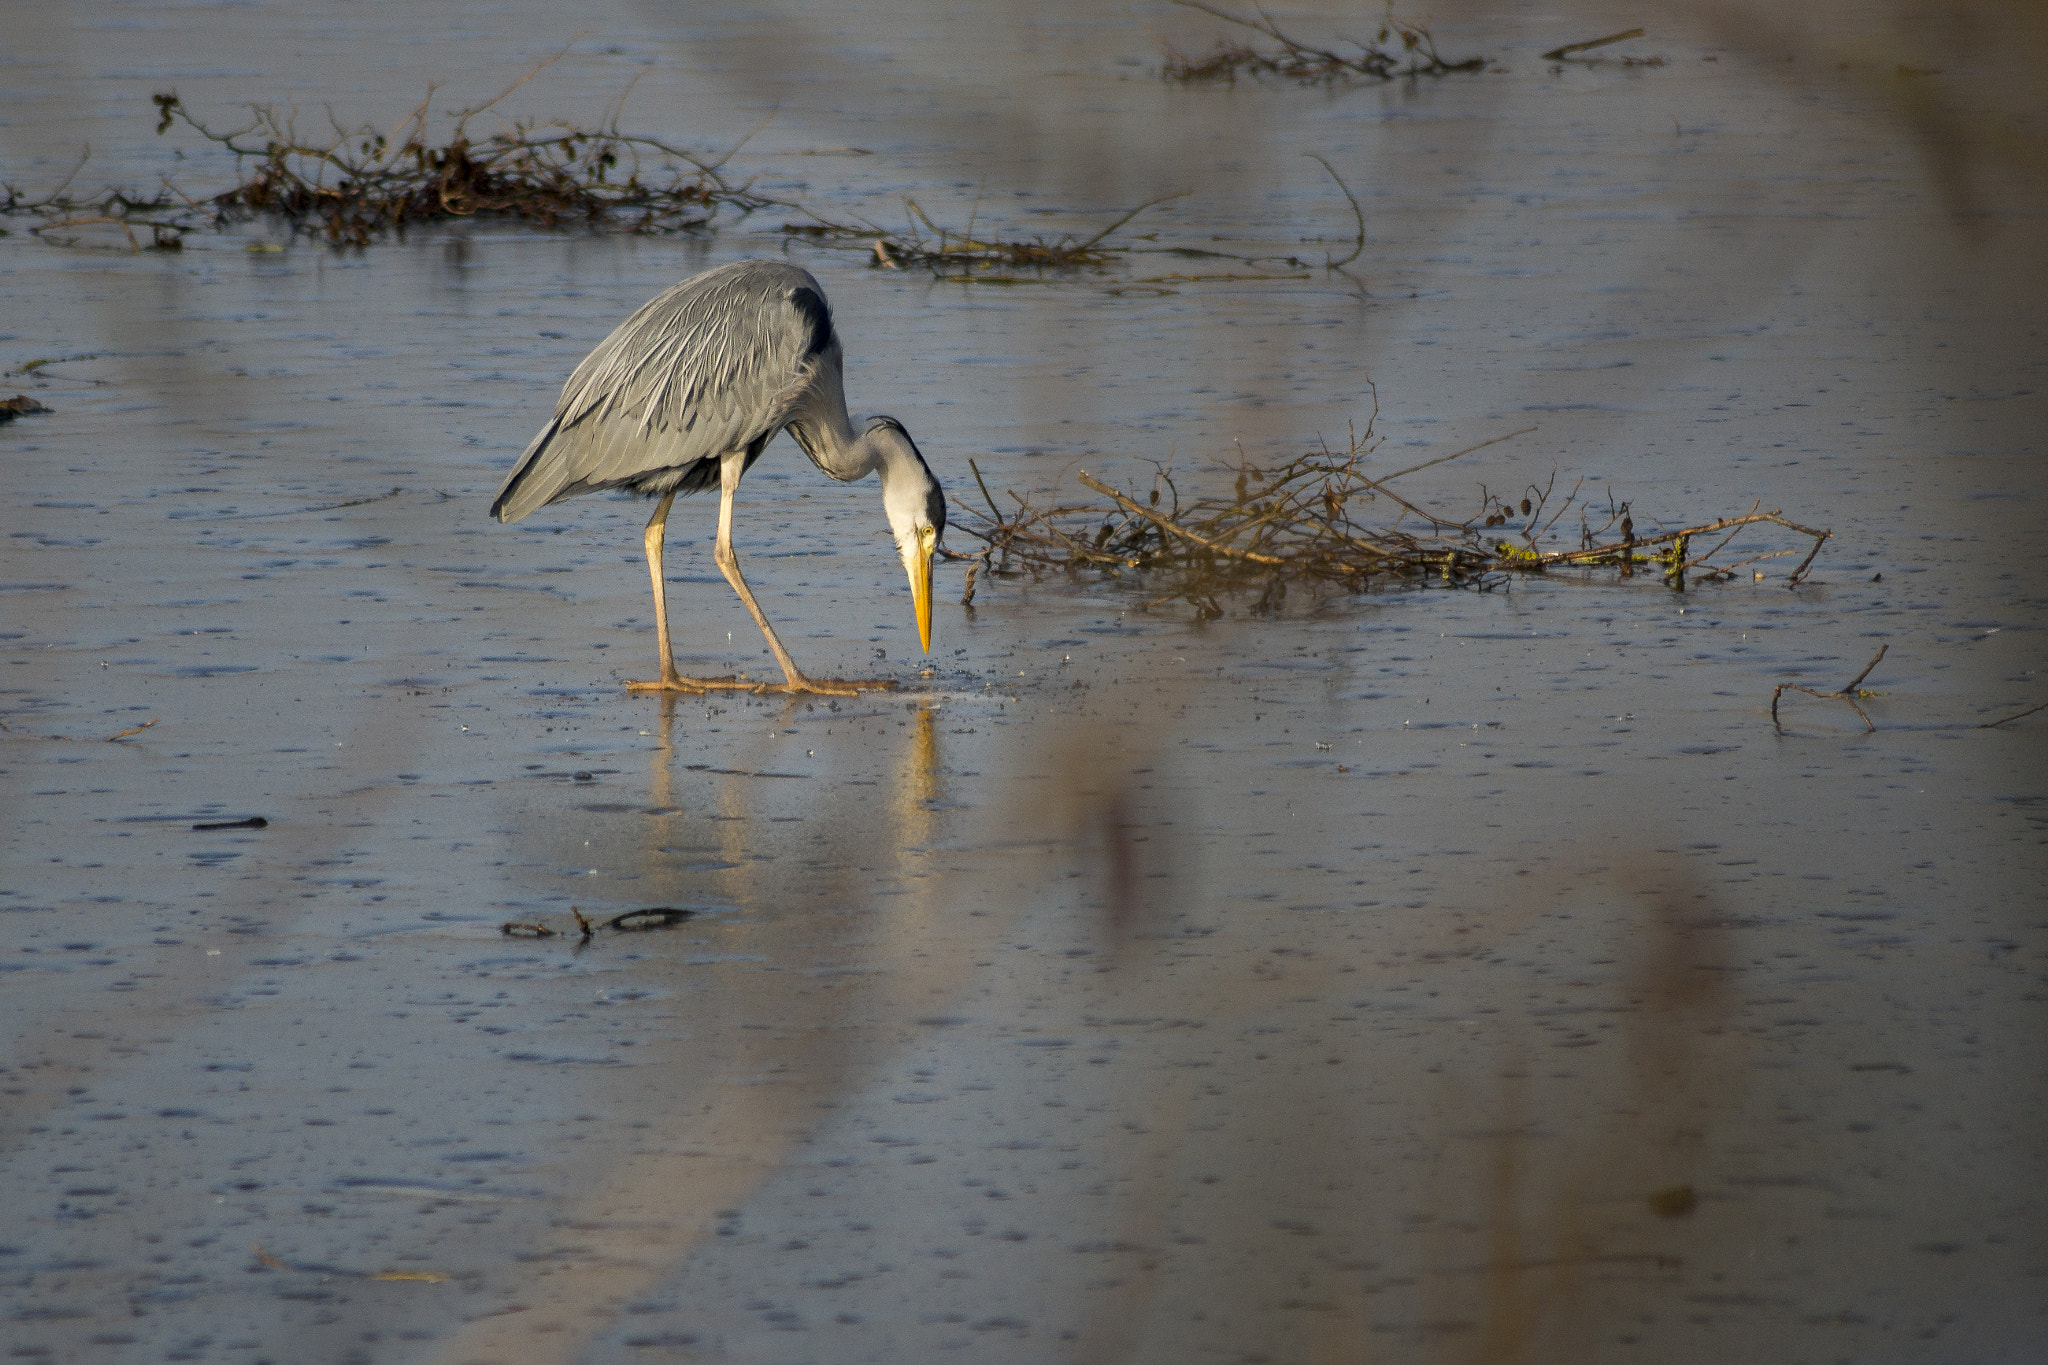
{"x":541,"y":476}
{"x":590,"y":456}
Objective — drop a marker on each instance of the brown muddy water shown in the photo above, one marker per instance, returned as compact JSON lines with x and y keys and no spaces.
{"x":1418,"y":976}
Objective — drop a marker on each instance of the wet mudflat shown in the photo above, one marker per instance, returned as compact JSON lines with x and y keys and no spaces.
{"x":1420,"y":975}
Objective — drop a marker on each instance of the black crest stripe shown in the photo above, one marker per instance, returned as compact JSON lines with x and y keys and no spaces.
{"x":810,"y":305}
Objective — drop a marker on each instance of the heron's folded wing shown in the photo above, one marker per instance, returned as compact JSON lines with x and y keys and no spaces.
{"x":706,"y":367}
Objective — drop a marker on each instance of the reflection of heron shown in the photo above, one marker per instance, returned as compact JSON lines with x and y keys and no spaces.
{"x":687,"y":393}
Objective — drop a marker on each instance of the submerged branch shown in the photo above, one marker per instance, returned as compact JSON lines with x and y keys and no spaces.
{"x":1570,"y":52}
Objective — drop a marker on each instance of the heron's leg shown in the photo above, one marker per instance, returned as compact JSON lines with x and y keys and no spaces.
{"x":734,"y":465}
{"x":670,"y":680}
{"x":657,"y":529}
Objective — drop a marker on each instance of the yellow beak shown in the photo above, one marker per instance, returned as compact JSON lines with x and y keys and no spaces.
{"x":918,"y":561}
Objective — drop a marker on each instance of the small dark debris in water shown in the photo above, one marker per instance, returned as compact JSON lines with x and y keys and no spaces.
{"x":21,"y":405}
{"x":586,"y":777}
{"x":1674,"y":1201}
{"x":661,"y":917}
{"x":631,"y":922}
{"x":253,"y":822}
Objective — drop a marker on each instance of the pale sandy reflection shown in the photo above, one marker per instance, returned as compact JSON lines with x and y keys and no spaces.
{"x":777,"y":1048}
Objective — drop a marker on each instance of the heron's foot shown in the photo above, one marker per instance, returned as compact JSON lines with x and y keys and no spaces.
{"x":797,"y":685}
{"x":832,"y":687}
{"x":675,"y":682}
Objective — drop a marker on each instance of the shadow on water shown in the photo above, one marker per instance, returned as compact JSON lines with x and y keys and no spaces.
{"x":1530,"y":1201}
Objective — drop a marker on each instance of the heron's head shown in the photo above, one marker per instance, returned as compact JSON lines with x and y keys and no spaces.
{"x":916,"y":508}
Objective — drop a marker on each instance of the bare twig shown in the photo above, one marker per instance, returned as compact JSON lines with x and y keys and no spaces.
{"x":1558,"y":54}
{"x":1847,"y":693}
{"x":1097,"y":239}
{"x":1798,"y":575}
{"x":324,"y":507}
{"x":1993,"y":725}
{"x":993,"y":510}
{"x":1356,"y":212}
{"x":1416,"y":468}
{"x":1725,"y":541}
{"x":32,"y":366}
{"x":1181,"y":531}
{"x":975,"y":567}
{"x":543,"y":64}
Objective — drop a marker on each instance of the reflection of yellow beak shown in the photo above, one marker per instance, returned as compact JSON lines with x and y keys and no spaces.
{"x":917,"y":559}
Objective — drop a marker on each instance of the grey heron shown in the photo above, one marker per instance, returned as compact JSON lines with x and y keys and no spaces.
{"x":686,"y":394}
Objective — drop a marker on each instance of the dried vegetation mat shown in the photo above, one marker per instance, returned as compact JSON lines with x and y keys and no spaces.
{"x":1327,"y":519}
{"x":351,"y":186}
{"x":1397,"y":49}
{"x":962,"y":255}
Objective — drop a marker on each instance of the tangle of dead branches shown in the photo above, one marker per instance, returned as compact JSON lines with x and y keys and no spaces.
{"x":354,"y":185}
{"x":926,"y":245}
{"x":1397,"y":49}
{"x":1325,"y":517}
{"x":351,"y":186}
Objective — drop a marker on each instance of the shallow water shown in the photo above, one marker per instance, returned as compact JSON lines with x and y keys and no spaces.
{"x":1419,"y":976}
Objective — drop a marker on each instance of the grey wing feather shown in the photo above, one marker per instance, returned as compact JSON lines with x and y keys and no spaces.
{"x":715,"y":364}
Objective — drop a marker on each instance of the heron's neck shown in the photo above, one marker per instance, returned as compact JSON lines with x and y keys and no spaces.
{"x":828,"y":435}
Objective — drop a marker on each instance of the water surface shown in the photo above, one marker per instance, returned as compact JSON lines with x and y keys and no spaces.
{"x":1421,"y":975}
